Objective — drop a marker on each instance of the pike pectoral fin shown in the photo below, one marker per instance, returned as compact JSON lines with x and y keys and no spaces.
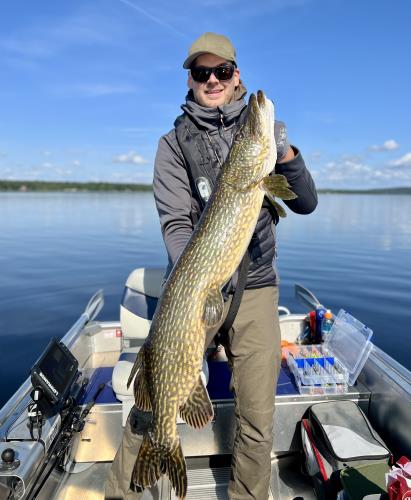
{"x":138,"y":365}
{"x":280,"y":210}
{"x":141,"y":394}
{"x":197,"y":411}
{"x":277,"y":185}
{"x":214,"y":307}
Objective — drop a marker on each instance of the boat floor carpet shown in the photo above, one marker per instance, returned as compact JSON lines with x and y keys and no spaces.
{"x":218,"y":384}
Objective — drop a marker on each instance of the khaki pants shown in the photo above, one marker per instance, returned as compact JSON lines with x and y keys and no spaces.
{"x":254,"y":354}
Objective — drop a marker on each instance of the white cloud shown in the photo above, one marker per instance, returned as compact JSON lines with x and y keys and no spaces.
{"x":388,"y":145}
{"x":404,"y":161}
{"x":346,"y":170}
{"x":135,"y":177}
{"x":76,"y":163}
{"x":315,"y":156}
{"x":6,"y":173}
{"x":131,"y":157}
{"x":63,"y":172}
{"x":47,"y":153}
{"x":357,"y":174}
{"x":352,"y":158}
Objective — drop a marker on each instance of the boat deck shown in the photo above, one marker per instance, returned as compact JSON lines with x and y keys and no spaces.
{"x":205,"y":482}
{"x":207,"y":450}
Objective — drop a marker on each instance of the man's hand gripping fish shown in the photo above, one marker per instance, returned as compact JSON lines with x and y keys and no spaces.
{"x":168,"y":366}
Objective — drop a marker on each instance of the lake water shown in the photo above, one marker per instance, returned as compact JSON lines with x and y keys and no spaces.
{"x":57,"y":249}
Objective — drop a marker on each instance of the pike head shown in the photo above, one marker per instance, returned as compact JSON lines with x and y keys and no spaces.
{"x":253,"y":154}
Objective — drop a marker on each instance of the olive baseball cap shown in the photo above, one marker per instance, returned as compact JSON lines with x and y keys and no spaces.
{"x":211,"y":43}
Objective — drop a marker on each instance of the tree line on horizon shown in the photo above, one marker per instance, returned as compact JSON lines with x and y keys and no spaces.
{"x":23,"y":186}
{"x":8,"y":185}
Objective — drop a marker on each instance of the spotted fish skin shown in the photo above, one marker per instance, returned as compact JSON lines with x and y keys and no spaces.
{"x":167,"y":369}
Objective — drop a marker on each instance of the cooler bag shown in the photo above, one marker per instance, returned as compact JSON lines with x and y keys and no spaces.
{"x":335,"y":435}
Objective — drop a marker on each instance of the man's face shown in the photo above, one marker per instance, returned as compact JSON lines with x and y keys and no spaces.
{"x":214,"y":92}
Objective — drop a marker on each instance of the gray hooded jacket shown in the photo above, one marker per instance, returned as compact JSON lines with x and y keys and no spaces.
{"x":201,"y":140}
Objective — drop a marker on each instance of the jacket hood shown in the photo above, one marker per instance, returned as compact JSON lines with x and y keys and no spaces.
{"x":210,"y":118}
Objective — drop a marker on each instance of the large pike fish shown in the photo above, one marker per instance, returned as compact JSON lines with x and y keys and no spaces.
{"x":168,"y":366}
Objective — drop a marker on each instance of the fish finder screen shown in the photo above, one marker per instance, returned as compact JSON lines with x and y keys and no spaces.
{"x":58,"y":367}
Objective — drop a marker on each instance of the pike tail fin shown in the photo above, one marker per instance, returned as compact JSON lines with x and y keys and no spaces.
{"x":153,"y":461}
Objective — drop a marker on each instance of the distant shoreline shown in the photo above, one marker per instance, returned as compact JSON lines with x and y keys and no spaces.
{"x":397,"y":190}
{"x":73,"y":187}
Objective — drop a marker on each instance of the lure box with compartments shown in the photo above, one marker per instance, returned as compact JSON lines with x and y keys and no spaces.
{"x":331,"y":367}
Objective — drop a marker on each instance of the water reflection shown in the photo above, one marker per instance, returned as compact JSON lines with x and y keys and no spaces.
{"x":366,"y":220}
{"x":59,"y":248}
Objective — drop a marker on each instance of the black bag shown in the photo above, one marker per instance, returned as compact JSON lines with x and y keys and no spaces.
{"x":335,"y":435}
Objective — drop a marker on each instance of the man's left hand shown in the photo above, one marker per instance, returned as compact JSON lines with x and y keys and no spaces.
{"x":284,"y":150}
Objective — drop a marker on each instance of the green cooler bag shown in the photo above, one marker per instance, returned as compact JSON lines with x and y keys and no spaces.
{"x":363,"y":480}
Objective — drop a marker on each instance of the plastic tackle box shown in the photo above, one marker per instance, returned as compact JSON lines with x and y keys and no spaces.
{"x":331,"y":367}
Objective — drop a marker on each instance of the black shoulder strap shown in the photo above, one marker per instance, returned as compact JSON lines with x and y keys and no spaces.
{"x":237,"y":296}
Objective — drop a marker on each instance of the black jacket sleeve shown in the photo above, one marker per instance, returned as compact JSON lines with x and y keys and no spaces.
{"x":301,"y":183}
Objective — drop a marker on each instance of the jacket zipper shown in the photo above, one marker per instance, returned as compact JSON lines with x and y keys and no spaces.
{"x":222,"y":120}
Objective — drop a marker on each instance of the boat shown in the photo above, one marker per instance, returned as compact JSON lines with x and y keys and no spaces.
{"x":67,"y":453}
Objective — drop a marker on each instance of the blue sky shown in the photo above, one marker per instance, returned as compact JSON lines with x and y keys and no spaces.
{"x":88,"y":87}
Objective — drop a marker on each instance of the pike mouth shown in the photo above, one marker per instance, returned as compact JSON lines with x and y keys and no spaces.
{"x":261,"y":123}
{"x":258,"y":118}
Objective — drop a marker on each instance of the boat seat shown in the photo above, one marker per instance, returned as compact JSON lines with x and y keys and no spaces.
{"x":121,"y":373}
{"x":123,"y":369}
{"x":142,"y":290}
{"x":141,"y":293}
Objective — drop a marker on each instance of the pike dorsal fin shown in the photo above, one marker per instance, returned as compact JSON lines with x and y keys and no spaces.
{"x":197,"y":411}
{"x":213,"y":308}
{"x":141,"y":394}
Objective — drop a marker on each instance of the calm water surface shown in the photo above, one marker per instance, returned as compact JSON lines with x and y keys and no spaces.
{"x":57,"y":249}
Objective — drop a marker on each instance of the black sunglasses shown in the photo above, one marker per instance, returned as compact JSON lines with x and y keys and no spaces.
{"x":201,"y":74}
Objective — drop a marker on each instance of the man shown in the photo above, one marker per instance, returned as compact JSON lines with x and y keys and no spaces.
{"x":187,"y":163}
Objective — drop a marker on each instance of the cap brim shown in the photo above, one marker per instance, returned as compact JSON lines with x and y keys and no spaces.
{"x":190,"y":59}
